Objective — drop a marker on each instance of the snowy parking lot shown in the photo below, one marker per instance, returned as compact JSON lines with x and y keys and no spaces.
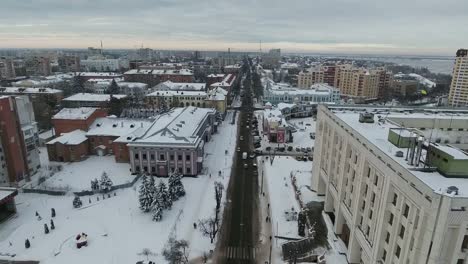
{"x":111,"y":222}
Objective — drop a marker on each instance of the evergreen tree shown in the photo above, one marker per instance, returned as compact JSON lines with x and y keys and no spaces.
{"x":95,"y":185}
{"x":145,"y":196}
{"x":77,"y":202}
{"x":27,"y":244}
{"x":46,"y":229}
{"x":157,"y":213}
{"x":78,"y":85}
{"x":176,"y":188}
{"x":105,"y":183}
{"x":116,"y":106}
{"x":113,"y":88}
{"x":52,"y":212}
{"x":152,"y":188}
{"x":52,"y":225}
{"x":163,"y":196}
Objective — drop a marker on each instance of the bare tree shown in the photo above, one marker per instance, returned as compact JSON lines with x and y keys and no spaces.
{"x":210,"y":226}
{"x":176,"y":251}
{"x":147,"y":252}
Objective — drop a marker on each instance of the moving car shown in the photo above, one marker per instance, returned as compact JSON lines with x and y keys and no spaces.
{"x":244,"y":155}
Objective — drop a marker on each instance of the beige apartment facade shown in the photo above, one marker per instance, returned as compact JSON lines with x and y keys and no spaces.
{"x":458,"y":96}
{"x":309,"y":77}
{"x":385,"y":210}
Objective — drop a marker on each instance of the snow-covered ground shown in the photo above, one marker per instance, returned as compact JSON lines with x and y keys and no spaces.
{"x":117,"y":230}
{"x":277,"y":177}
{"x":76,"y":176}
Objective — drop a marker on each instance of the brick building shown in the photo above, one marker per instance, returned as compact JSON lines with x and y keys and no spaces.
{"x":19,"y":139}
{"x":68,"y":147}
{"x":154,"y":77}
{"x":69,"y":119}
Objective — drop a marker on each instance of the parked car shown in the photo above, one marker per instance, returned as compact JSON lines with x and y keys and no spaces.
{"x":298,"y":149}
{"x":304,"y":158}
{"x":310,"y":158}
{"x":299,"y":158}
{"x":309,"y":149}
{"x":268,"y":148}
{"x":303,"y":149}
{"x":258,"y":152}
{"x":290,"y":148}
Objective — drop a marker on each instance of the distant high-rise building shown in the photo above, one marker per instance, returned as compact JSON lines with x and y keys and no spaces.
{"x":7,"y":69}
{"x":38,"y":65}
{"x":360,"y":82}
{"x":458,"y":95}
{"x":272,"y":58}
{"x":69,"y":63}
{"x":94,"y":51}
{"x":18,"y":140}
{"x":310,"y":76}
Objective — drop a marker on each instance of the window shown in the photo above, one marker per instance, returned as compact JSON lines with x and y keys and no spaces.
{"x":144,"y":156}
{"x":161,"y":157}
{"x":152,"y":156}
{"x":384,"y":255}
{"x":395,"y":198}
{"x":145,"y":168}
{"x":153,"y":169}
{"x":373,"y":198}
{"x":187,"y":170}
{"x":179,"y":157}
{"x":187,"y":157}
{"x":363,"y":205}
{"x":387,"y":237}
{"x":406,"y":211}
{"x":390,"y":221}
{"x":376,"y":180}
{"x":397,"y":252}
{"x":137,"y":168}
{"x":171,"y":157}
{"x":402,"y":231}
{"x":180,"y":170}
{"x":370,"y":214}
{"x":465,"y":242}
{"x":136,"y":156}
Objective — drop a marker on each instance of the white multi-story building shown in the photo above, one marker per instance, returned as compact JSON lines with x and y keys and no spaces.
{"x":100,"y":64}
{"x":318,"y":93}
{"x":393,"y":193}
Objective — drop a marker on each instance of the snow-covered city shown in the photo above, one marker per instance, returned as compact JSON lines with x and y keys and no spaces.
{"x":144,"y":157}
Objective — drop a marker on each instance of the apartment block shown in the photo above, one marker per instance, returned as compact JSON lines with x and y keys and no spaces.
{"x":310,"y":76}
{"x":19,"y":140}
{"x":362,"y":83}
{"x":458,"y":96}
{"x":7,"y":69}
{"x":395,"y":183}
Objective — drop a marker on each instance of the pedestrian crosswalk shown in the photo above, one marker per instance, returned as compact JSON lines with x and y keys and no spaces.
{"x":247,"y":253}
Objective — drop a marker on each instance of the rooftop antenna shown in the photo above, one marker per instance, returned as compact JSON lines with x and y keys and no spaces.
{"x":101,"y":47}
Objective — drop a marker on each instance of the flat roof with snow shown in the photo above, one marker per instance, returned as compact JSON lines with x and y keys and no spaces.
{"x":90,"y":97}
{"x":80,"y":113}
{"x":377,"y":134}
{"x":161,"y":72}
{"x":23,"y":90}
{"x":74,"y":137}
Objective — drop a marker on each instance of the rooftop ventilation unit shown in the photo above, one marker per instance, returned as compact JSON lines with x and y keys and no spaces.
{"x":452,"y":190}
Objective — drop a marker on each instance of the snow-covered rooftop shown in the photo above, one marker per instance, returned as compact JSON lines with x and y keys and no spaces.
{"x":174,"y":86}
{"x":93,"y":97}
{"x":23,"y":90}
{"x":377,"y":134}
{"x":161,"y":72}
{"x":116,"y":127}
{"x":5,"y":192}
{"x":75,"y":113}
{"x":179,"y":126}
{"x":454,"y":152}
{"x":74,"y":137}
{"x":99,"y":74}
{"x":177,"y":93}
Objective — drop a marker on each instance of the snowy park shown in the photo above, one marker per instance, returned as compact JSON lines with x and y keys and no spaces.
{"x":110,"y":220}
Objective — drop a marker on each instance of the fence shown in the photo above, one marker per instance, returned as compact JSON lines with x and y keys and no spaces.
{"x":82,"y":193}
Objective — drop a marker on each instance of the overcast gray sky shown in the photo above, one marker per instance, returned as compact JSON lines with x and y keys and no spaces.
{"x":338,"y":26}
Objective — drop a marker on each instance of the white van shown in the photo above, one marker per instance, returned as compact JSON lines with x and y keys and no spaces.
{"x":244,"y":155}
